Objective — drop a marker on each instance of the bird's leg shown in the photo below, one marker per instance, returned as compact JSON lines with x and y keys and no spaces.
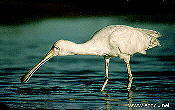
{"x":104,"y":85}
{"x":107,"y":59}
{"x":130,"y":78}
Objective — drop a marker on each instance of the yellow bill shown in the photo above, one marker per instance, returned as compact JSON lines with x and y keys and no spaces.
{"x":27,"y":76}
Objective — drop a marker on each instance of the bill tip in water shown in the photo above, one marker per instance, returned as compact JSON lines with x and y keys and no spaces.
{"x":23,"y":80}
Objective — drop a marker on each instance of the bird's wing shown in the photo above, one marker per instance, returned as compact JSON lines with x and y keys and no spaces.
{"x":129,"y":41}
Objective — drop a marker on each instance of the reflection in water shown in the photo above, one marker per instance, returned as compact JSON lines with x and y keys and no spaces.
{"x":108,"y":100}
{"x":130,"y":100}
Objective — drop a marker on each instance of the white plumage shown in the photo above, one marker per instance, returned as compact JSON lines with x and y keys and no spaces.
{"x":111,"y":41}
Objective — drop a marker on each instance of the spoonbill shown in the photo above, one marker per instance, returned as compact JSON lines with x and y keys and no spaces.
{"x":111,"y":41}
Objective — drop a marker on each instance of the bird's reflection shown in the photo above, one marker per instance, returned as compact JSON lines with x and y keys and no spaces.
{"x":130,"y":100}
{"x":108,"y":100}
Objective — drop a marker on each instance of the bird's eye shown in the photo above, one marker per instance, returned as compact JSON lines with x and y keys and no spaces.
{"x":57,"y":48}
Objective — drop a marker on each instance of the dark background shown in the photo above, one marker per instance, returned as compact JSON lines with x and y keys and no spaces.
{"x":18,"y":11}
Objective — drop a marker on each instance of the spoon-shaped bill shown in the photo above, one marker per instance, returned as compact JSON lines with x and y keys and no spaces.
{"x":27,"y":76}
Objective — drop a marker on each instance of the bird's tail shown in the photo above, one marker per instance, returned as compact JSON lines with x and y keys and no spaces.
{"x":153,"y":36}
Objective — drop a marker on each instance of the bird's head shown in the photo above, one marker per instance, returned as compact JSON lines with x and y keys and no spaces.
{"x":60,"y":48}
{"x":63,"y":48}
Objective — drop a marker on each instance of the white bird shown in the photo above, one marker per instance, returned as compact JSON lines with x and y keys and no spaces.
{"x":111,"y":41}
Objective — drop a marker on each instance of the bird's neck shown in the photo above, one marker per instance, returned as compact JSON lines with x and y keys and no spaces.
{"x":88,"y":48}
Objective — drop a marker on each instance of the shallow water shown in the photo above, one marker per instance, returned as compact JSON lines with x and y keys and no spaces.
{"x":74,"y":82}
